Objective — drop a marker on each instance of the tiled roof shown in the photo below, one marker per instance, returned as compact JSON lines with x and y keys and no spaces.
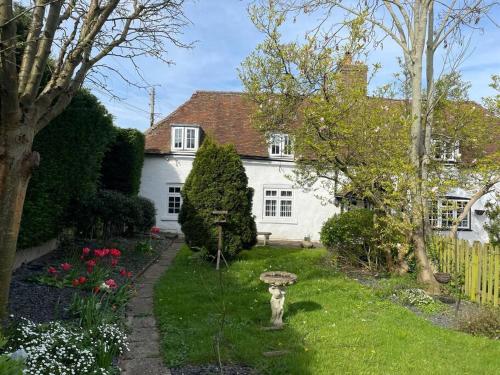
{"x":223,"y":115}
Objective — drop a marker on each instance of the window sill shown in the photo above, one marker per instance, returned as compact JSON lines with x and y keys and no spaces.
{"x":281,"y":157}
{"x":184,"y":151}
{"x":278,"y":221}
{"x":170,"y":218}
{"x":448,"y":229}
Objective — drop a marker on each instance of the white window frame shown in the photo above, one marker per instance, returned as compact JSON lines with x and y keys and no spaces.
{"x":445,"y":150}
{"x":444,"y":211}
{"x":173,"y":194}
{"x":186,"y":138}
{"x":280,"y":146}
{"x":282,"y":195}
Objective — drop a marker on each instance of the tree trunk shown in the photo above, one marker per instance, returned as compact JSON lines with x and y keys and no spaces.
{"x":425,"y":274}
{"x":16,"y":165}
{"x":484,"y":190}
{"x":429,"y":111}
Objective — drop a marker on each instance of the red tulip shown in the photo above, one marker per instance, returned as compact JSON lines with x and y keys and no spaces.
{"x":105,"y":252}
{"x":82,"y":279}
{"x":66,"y":266}
{"x":96,"y":289}
{"x":85,"y":251}
{"x":111,"y":283}
{"x":123,"y":272}
{"x":75,"y":282}
{"x":129,"y":274}
{"x":114,"y":262}
{"x":52,"y":270}
{"x":90,"y":265}
{"x":155,"y":230}
{"x":115,"y":253}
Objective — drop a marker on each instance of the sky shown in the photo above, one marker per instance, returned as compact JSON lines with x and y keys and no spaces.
{"x":223,"y":36}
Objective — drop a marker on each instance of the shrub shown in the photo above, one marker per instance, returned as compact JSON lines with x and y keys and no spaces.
{"x":482,"y":322}
{"x":114,"y":213}
{"x":350,"y":234}
{"x":148,"y":214}
{"x":122,"y":165}
{"x":71,"y":147}
{"x":217,"y":181}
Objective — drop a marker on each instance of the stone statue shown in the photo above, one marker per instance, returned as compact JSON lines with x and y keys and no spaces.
{"x":277,"y":281}
{"x":277,"y":303}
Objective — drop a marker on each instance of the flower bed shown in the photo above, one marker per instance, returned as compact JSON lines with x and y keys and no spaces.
{"x":68,"y":306}
{"x":41,"y":297}
{"x":55,"y":348}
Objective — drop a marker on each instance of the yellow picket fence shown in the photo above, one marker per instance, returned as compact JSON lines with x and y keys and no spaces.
{"x":478,"y":263}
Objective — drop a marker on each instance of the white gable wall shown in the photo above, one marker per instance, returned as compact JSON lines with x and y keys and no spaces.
{"x":308,"y":211}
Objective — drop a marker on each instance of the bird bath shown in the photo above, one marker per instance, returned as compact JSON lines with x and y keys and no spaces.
{"x":278,"y":280}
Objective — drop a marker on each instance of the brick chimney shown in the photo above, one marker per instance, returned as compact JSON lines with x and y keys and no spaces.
{"x":354,"y":73}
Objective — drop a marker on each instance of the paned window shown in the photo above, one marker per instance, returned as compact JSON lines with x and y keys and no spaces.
{"x":174,"y":199}
{"x":446,"y":150}
{"x":185,"y":138}
{"x":278,"y":203}
{"x":280,"y":145}
{"x":443,"y":213}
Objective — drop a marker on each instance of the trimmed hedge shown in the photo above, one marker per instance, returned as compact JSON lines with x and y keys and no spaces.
{"x":111,"y":213}
{"x":72,"y":148}
{"x":122,"y":165}
{"x":217,"y":181}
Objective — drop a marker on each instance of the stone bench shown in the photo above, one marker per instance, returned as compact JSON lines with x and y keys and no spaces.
{"x":266,"y":236}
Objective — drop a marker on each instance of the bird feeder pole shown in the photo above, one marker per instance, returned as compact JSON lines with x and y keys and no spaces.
{"x":220,"y":220}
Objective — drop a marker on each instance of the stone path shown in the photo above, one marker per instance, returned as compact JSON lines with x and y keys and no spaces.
{"x":144,"y":356}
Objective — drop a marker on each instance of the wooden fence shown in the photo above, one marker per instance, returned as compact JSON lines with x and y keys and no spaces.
{"x":477,"y":264}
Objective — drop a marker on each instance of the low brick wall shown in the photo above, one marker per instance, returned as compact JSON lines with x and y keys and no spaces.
{"x":32,"y":253}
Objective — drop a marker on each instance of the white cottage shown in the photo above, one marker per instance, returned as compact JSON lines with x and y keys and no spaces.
{"x":287,"y":211}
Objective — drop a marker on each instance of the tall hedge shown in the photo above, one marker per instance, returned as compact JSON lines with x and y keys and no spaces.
{"x":122,"y":166}
{"x":72,"y":148}
{"x":217,"y":181}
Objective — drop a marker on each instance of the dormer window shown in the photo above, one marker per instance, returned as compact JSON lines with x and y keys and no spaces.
{"x":185,"y":138}
{"x":280,"y":145}
{"x":447,"y":151}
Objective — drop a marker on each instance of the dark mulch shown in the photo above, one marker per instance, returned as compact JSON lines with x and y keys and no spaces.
{"x":43,"y":303}
{"x":213,"y":369}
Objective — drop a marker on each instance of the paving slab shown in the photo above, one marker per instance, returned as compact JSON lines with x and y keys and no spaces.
{"x":146,"y":366}
{"x":150,"y":333}
{"x":139,"y":322}
{"x":144,"y":355}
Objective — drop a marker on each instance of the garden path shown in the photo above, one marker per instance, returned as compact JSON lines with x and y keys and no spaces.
{"x":144,"y":356}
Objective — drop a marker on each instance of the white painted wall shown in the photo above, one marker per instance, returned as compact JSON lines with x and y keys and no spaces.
{"x":309,"y":212}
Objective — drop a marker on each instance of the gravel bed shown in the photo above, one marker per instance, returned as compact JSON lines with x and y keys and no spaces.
{"x":43,"y":303}
{"x":212,"y":369}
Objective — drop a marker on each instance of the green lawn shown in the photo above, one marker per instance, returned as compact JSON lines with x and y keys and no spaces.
{"x":333,"y":324}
